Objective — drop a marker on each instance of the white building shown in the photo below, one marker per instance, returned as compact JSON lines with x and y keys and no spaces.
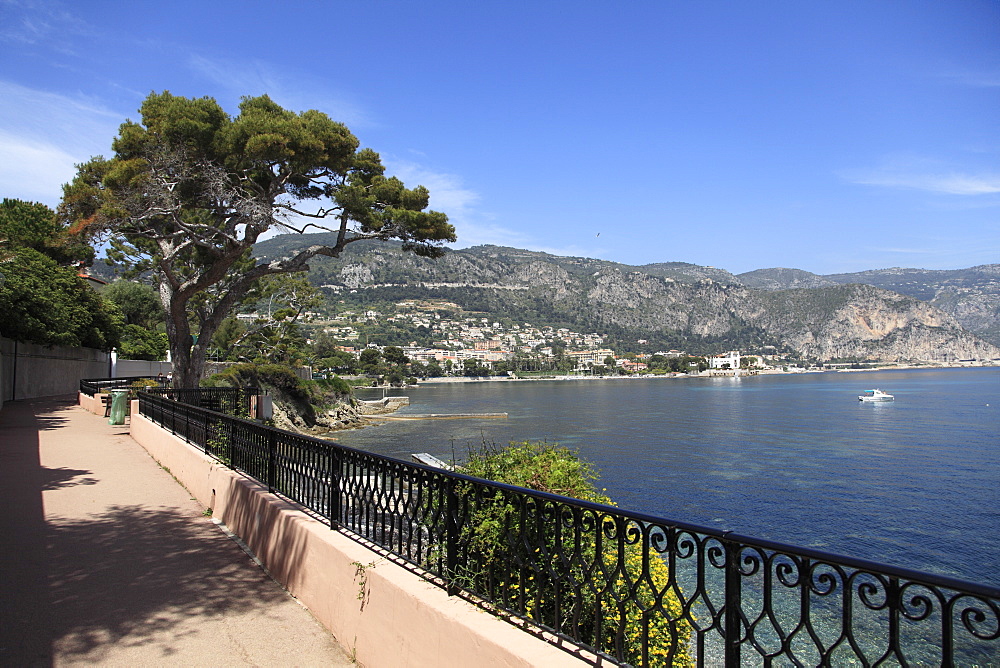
{"x":730,"y":360}
{"x":586,"y":358}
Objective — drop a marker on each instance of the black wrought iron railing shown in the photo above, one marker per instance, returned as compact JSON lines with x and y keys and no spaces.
{"x":233,"y":401}
{"x":639,"y":589}
{"x":92,"y":386}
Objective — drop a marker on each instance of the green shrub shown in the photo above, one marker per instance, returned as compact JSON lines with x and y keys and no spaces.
{"x":545,"y":467}
{"x":48,"y":304}
{"x":260,"y":375}
{"x":145,"y":383}
{"x":528,"y":553}
{"x":335,"y":384}
{"x":305,"y":397}
{"x":139,"y":343}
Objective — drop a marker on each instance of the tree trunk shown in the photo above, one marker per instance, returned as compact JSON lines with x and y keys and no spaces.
{"x":188,"y":353}
{"x":186,"y":372}
{"x":179,"y":335}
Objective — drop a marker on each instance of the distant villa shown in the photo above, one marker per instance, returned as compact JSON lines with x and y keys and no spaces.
{"x":730,"y":360}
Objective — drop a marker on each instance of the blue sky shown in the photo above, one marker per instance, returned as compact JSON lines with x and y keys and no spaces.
{"x":826,"y":136}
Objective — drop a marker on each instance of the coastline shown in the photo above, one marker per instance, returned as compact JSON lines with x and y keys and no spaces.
{"x":389,"y":408}
{"x":758,"y":372}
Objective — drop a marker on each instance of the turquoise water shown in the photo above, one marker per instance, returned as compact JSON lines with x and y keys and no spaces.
{"x":791,"y":458}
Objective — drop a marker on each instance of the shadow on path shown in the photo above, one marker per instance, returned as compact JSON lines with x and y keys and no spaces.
{"x":127,"y":582}
{"x":133,"y":574}
{"x":25,"y":610}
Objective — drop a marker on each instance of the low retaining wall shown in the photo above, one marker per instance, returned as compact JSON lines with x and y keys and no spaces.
{"x":91,"y":403}
{"x":378,"y":610}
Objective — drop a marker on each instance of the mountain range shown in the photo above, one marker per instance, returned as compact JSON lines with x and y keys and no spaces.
{"x":886,"y":315}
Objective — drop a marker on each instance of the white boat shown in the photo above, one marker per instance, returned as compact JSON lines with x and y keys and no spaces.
{"x":875,"y":395}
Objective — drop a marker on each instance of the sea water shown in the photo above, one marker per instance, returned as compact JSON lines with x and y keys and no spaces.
{"x":791,"y":458}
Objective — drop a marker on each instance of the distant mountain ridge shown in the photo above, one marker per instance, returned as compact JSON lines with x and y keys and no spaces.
{"x":781,"y":278}
{"x":971,"y":296}
{"x":681,"y":305}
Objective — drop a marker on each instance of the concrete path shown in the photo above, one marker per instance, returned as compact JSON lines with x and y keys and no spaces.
{"x":105,"y":559}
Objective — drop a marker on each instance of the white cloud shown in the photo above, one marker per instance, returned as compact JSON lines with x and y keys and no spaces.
{"x":32,"y":171}
{"x":952,"y":184}
{"x":916,"y":173}
{"x":473,"y":225}
{"x":474,"y":234}
{"x":44,"y":135}
{"x":40,"y":113}
{"x":974,"y":79}
{"x":450,"y":196}
{"x":944,"y":254}
{"x":905,"y":251}
{"x":40,"y":22}
{"x":447,"y":192}
{"x":571,"y":251}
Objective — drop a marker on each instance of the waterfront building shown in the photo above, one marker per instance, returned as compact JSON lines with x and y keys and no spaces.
{"x":588,"y":358}
{"x":730,"y":360}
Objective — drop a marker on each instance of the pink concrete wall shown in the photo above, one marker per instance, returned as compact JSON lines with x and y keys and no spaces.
{"x":400,"y":619}
{"x":92,"y":404}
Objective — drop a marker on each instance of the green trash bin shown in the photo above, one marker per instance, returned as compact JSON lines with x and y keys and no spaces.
{"x":119,"y":406}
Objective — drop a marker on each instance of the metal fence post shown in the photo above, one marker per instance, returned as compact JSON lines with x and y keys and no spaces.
{"x":206,"y":431}
{"x":734,"y":603}
{"x":272,"y":459}
{"x":334,"y":501}
{"x":451,"y":536}
{"x":230,"y":442}
{"x":893,"y":602}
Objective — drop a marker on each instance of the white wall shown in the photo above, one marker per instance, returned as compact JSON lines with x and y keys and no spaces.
{"x":29,"y":370}
{"x":124,"y":368}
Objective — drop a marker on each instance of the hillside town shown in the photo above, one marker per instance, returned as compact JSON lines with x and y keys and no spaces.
{"x":461,"y":342}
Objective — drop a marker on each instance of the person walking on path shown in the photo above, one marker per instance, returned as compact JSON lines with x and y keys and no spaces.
{"x":107,"y":560}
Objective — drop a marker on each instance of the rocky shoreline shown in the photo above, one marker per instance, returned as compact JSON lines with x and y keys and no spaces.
{"x":342,"y":416}
{"x":354,"y":415}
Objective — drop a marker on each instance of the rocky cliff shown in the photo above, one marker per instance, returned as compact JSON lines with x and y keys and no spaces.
{"x":703,"y":310}
{"x":864,"y":322}
{"x":971,"y":296}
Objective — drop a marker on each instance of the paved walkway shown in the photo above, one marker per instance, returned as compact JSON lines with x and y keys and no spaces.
{"x":105,"y":559}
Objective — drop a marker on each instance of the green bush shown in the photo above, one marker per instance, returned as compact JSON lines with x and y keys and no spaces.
{"x":335,"y":384}
{"x":545,"y":467}
{"x":139,"y":385}
{"x":529,"y":554}
{"x":45,"y":303}
{"x":260,"y":375}
{"x":139,"y":343}
{"x":305,"y":397}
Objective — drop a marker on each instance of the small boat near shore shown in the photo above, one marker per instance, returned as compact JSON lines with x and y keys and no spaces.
{"x":875,"y":395}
